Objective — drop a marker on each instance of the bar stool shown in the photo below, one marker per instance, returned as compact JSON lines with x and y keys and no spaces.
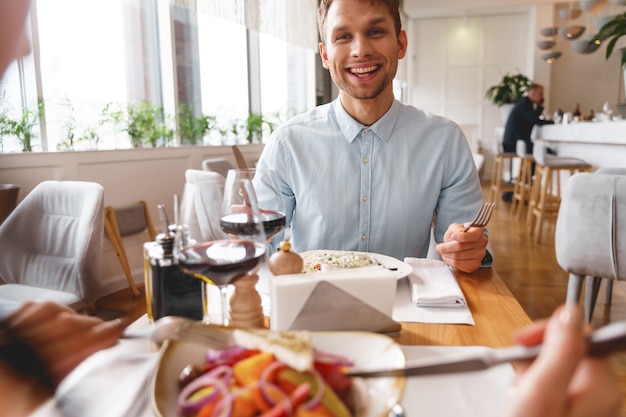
{"x":545,"y":195}
{"x":523,"y":184}
{"x":497,"y":186}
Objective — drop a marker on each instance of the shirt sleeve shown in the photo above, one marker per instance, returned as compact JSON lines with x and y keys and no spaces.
{"x":48,"y":409}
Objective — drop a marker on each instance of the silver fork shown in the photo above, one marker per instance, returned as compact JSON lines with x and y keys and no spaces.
{"x":482,"y":217}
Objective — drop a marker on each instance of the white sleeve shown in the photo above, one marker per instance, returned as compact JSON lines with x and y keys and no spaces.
{"x":47,"y":409}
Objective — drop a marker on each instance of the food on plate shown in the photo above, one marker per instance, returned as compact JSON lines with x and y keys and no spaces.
{"x":255,"y":380}
{"x":323,"y":261}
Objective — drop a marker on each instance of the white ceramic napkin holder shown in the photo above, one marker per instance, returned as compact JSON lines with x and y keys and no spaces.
{"x":374,"y":286}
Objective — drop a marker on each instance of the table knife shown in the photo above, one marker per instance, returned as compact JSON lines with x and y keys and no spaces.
{"x":602,"y":341}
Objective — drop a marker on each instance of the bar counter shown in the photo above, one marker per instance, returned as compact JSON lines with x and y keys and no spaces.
{"x":602,"y":144}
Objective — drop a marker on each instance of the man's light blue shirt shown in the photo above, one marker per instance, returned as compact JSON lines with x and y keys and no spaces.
{"x":372,"y":188}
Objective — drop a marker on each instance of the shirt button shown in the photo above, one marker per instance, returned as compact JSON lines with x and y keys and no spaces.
{"x":366,"y":160}
{"x":366,"y":131}
{"x":363,"y":237}
{"x":364,"y":198}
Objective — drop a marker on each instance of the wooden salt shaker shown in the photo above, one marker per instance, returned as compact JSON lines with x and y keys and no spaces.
{"x":245,"y":304}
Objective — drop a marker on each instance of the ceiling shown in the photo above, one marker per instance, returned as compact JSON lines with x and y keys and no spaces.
{"x":430,"y":8}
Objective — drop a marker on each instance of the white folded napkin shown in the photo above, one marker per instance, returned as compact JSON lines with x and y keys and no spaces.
{"x":467,"y":394}
{"x":114,"y":382}
{"x":433,"y":285}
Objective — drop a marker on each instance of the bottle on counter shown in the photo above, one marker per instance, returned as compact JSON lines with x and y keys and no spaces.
{"x":558,"y":116}
{"x":170,"y":291}
{"x":576,"y":114}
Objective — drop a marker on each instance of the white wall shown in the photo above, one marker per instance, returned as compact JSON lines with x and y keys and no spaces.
{"x":453,"y":60}
{"x":127,"y":176}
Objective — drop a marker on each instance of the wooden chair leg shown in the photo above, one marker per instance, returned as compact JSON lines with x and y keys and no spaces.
{"x":111,"y":228}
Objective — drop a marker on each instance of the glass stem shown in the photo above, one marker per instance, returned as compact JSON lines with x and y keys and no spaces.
{"x":224,"y":291}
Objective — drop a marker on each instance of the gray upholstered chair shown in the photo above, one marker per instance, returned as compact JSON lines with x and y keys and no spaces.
{"x":609,"y":283}
{"x":590,"y":236}
{"x":51,"y":246}
{"x":219,"y":165}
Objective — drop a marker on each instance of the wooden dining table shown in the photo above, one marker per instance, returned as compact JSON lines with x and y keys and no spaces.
{"x":496,"y":313}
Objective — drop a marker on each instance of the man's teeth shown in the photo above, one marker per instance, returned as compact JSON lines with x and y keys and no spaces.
{"x":364,"y":70}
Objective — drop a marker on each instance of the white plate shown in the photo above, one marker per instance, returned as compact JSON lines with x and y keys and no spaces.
{"x":388,"y":262}
{"x":367,"y":350}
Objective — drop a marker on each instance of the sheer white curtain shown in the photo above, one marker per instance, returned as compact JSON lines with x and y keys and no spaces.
{"x":291,"y":20}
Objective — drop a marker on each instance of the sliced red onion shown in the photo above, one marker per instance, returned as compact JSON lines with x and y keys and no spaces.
{"x":319,"y":393}
{"x":225,"y":407}
{"x":268,"y":388}
{"x":206,"y":380}
{"x":272,"y":367}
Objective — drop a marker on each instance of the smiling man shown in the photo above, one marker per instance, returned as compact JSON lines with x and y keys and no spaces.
{"x":366,"y":172}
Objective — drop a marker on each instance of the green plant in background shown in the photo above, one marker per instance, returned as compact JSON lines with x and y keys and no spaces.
{"x":191,"y":128}
{"x":255,"y":124}
{"x":509,"y":90}
{"x":144,"y":122}
{"x":254,"y":127}
{"x":612,"y":31}
{"x":90,"y":135}
{"x":22,"y":126}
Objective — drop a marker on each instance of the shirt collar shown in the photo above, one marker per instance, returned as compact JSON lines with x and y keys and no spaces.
{"x":351,"y":128}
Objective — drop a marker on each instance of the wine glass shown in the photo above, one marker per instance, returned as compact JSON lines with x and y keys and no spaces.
{"x":269,"y":197}
{"x":213,"y":256}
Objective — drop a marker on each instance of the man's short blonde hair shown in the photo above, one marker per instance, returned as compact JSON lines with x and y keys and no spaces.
{"x":324,"y":5}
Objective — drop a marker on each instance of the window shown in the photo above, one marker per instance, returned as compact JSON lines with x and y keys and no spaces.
{"x":111,"y":54}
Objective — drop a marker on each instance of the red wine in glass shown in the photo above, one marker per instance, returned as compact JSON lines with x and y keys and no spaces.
{"x":223,"y":261}
{"x":238,"y":224}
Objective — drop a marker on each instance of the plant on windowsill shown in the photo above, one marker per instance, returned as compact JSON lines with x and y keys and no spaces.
{"x":255,"y":127}
{"x":191,"y":128}
{"x":22,"y":127}
{"x":144,"y":123}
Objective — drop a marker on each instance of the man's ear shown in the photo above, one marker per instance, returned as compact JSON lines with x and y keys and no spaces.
{"x":323,"y":55}
{"x":402,"y":44}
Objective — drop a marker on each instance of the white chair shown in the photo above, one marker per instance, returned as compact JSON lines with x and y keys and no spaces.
{"x":590,"y":236}
{"x":51,"y":246}
{"x":219,"y":165}
{"x":202,"y":204}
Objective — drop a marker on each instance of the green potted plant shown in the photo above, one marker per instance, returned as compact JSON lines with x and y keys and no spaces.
{"x":144,"y":122}
{"x":507,"y":92}
{"x":254,"y":126}
{"x":22,"y":127}
{"x":191,"y":128}
{"x":612,"y":32}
